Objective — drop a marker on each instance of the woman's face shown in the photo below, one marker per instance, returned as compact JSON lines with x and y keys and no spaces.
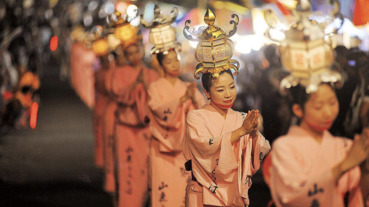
{"x":321,"y":109}
{"x":223,"y":91}
{"x":134,"y":54}
{"x":171,"y":64}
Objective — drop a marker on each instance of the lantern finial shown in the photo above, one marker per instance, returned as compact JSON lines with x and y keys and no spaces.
{"x":214,"y":50}
{"x":209,"y":18}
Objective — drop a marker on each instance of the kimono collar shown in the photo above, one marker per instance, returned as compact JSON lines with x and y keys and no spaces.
{"x":299,"y":132}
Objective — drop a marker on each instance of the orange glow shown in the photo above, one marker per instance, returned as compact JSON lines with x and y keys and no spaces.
{"x":125,"y":32}
{"x":54,"y":43}
{"x":100,"y":47}
{"x":33,"y":115}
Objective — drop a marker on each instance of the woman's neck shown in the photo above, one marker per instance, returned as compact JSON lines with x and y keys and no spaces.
{"x":171,"y":79}
{"x":222,"y":111}
{"x":317,"y":135}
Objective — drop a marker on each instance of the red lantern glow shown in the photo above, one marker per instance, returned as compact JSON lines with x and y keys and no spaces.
{"x":54,"y":43}
{"x":33,"y":115}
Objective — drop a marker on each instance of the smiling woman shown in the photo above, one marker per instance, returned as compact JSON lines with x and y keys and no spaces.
{"x":222,"y":147}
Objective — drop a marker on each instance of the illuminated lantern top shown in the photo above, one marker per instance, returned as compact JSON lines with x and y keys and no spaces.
{"x":214,"y":50}
{"x":306,"y":52}
{"x":162,"y":34}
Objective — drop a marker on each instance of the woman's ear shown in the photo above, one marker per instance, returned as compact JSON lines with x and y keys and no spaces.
{"x":207,"y":94}
{"x":297,"y":110}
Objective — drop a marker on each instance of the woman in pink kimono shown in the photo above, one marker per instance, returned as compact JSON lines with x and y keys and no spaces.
{"x":132,"y":133}
{"x":170,"y":101}
{"x":309,"y":166}
{"x":223,"y":147}
{"x":100,"y":47}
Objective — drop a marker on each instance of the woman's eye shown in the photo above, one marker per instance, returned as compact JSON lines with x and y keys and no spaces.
{"x":318,"y":107}
{"x":232,"y":87}
{"x":220,"y":90}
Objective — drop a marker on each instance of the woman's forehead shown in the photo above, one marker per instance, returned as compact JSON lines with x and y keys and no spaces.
{"x":224,"y":79}
{"x":171,"y":55}
{"x":324,"y":92}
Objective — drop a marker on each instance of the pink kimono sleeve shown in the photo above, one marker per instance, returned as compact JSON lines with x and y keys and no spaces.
{"x":290,"y":187}
{"x":201,"y":141}
{"x":204,"y":146}
{"x":262,"y":148}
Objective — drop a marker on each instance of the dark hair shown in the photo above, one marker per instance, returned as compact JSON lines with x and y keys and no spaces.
{"x":207,"y":79}
{"x":297,"y":94}
{"x":160,"y":56}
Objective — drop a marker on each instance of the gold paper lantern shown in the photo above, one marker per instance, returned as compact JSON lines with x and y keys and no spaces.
{"x":214,"y":50}
{"x":123,"y":30}
{"x":100,"y":47}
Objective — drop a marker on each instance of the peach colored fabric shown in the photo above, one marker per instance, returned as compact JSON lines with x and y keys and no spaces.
{"x":108,"y":135}
{"x":109,"y":143}
{"x":82,"y":74}
{"x":223,"y":171}
{"x":101,"y":101}
{"x":132,"y":134}
{"x":301,"y":171}
{"x":168,"y":175}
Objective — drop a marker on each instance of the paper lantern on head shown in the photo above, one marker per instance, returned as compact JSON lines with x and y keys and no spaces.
{"x":162,"y":34}
{"x":306,"y":52}
{"x":214,"y":50}
{"x":123,"y":29}
{"x":99,"y":42}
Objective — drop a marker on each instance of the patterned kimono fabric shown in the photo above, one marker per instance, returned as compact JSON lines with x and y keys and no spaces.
{"x":101,"y":101}
{"x":132,"y":135}
{"x":109,"y":121}
{"x":167,"y":173}
{"x":301,"y":171}
{"x":221,"y":170}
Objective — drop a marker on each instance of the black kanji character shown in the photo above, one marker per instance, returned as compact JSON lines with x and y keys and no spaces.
{"x":213,"y":188}
{"x":162,"y":197}
{"x":315,"y":191}
{"x":211,"y":141}
{"x":315,"y":203}
{"x":167,"y":111}
{"x":261,"y":156}
{"x":162,"y":186}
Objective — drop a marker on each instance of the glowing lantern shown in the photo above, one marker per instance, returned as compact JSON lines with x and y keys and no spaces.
{"x":54,"y":43}
{"x":33,"y":115}
{"x":214,"y":51}
{"x":100,"y":47}
{"x":99,"y":42}
{"x":162,"y":34}
{"x":306,"y":52}
{"x":125,"y":32}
